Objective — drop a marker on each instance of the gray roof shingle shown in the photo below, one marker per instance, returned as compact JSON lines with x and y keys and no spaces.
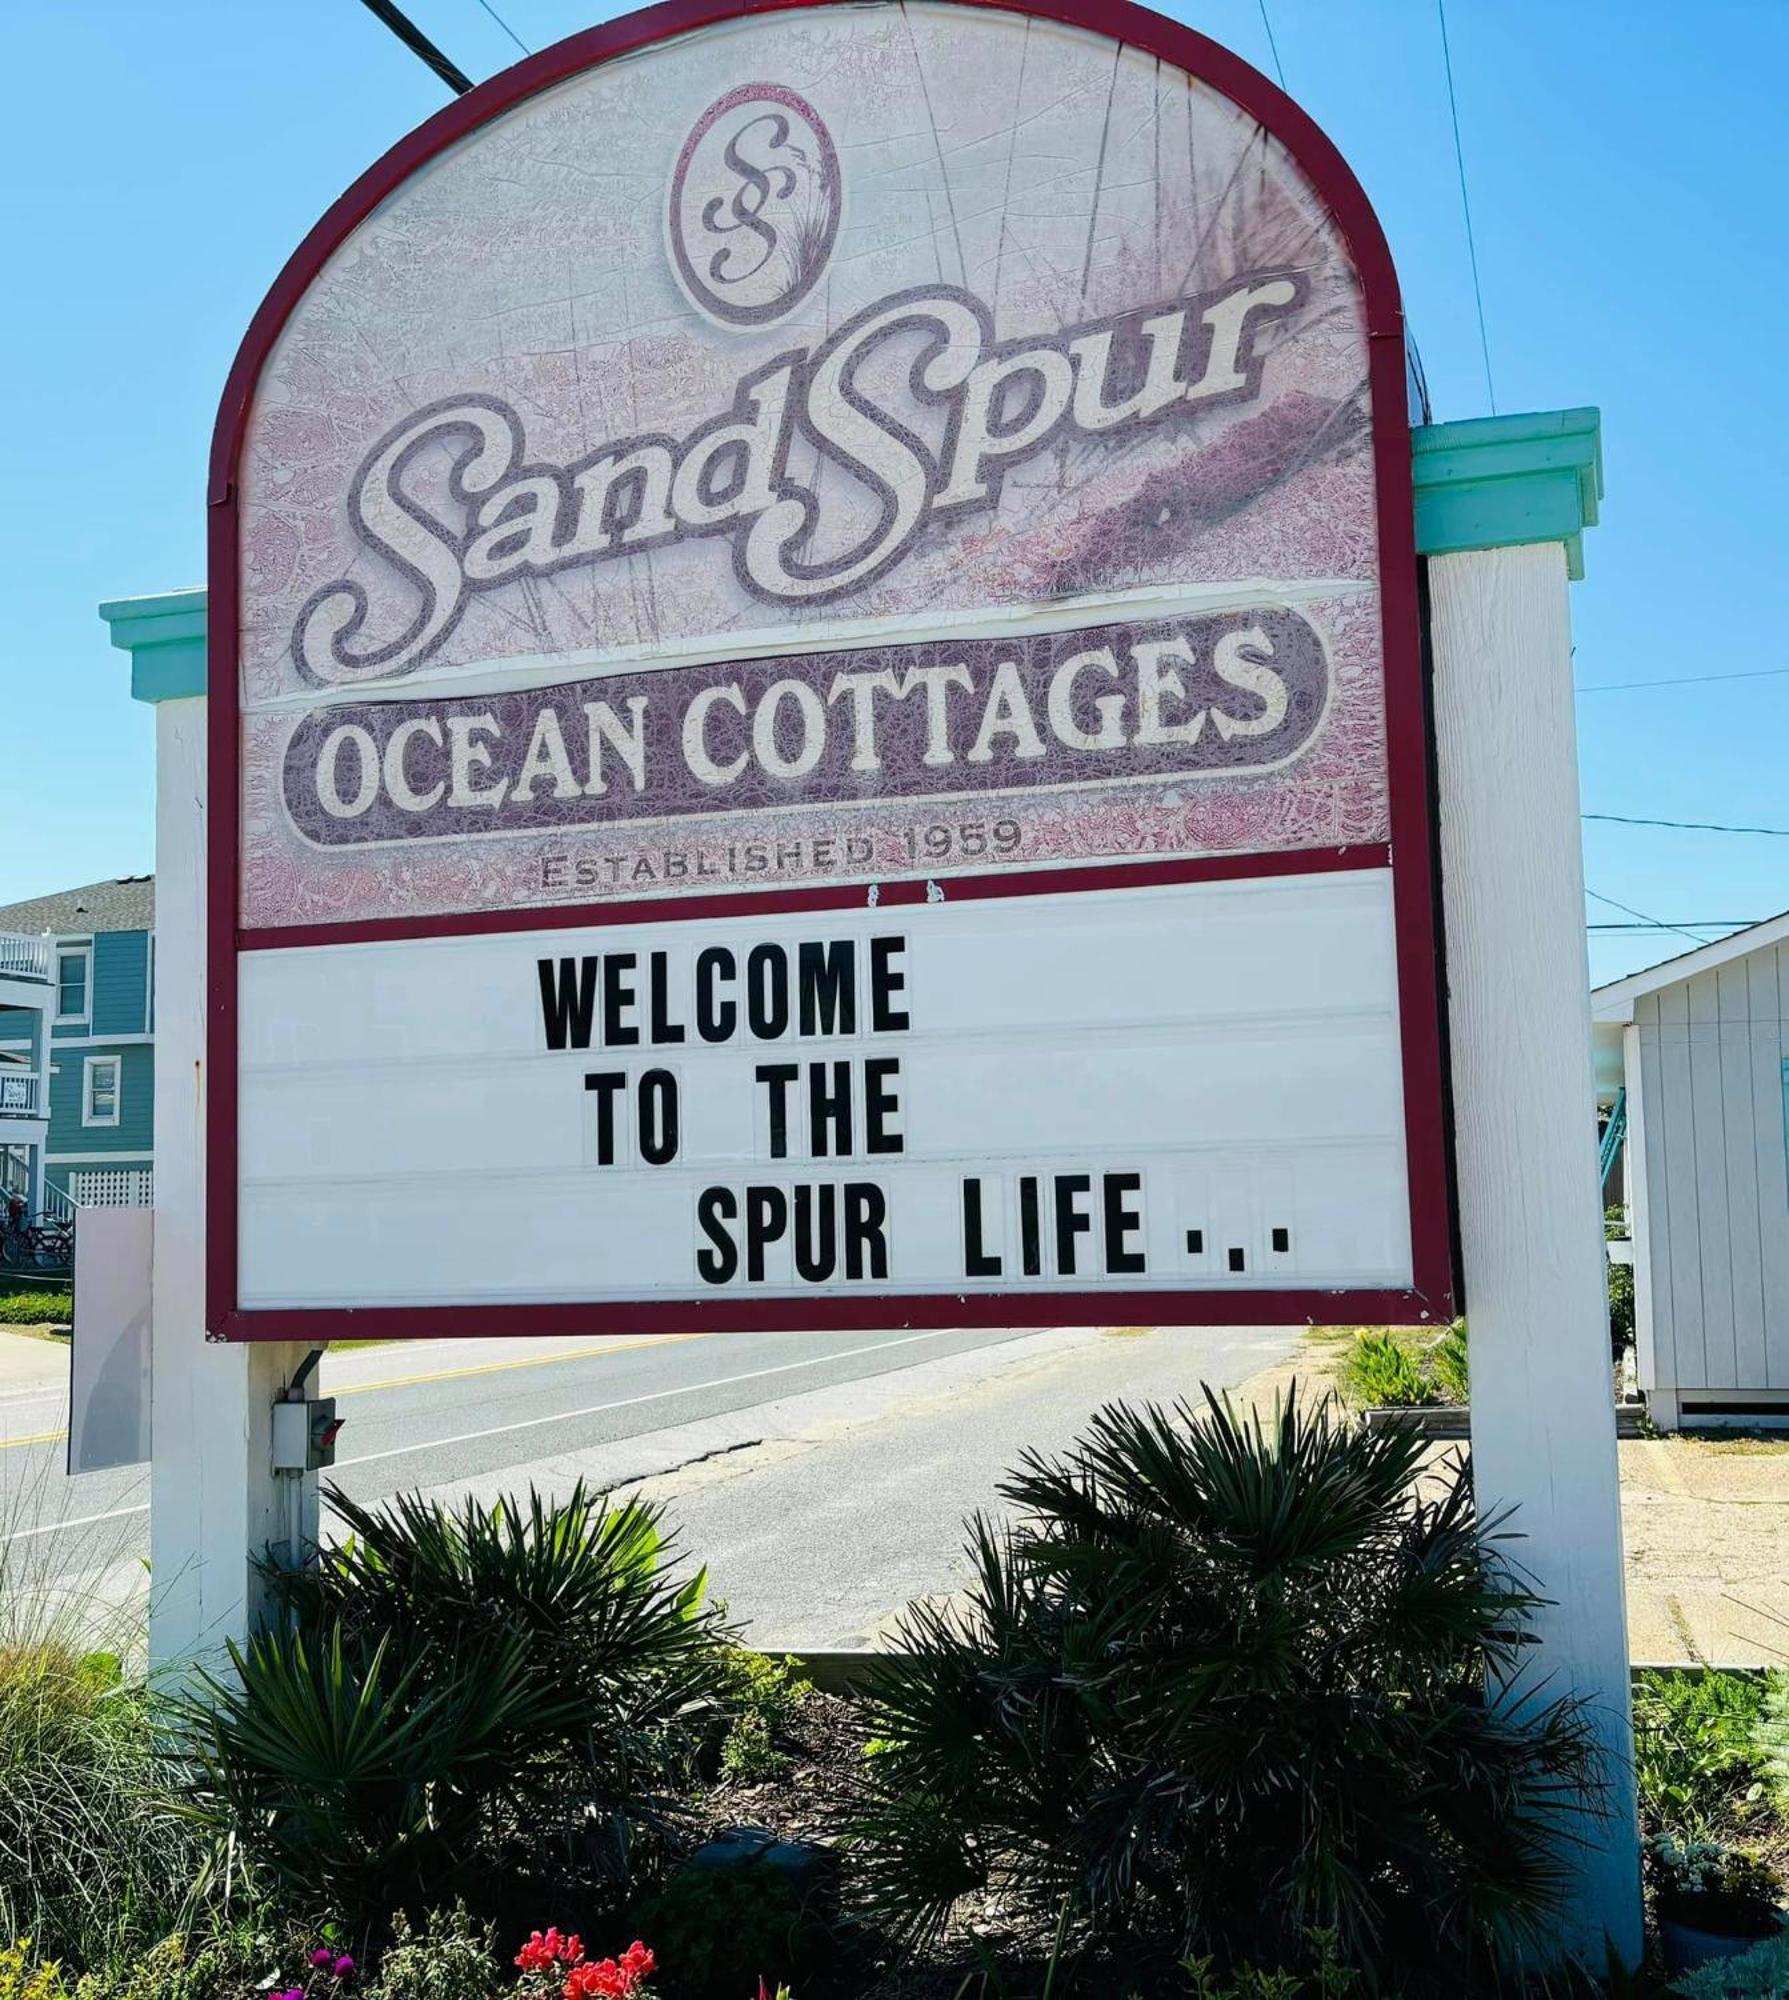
{"x":127,"y":904}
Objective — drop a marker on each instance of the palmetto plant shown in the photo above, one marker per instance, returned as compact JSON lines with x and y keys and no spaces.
{"x":457,"y":1696}
{"x":1222,"y":1685}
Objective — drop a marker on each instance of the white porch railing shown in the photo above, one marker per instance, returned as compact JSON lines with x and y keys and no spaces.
{"x":20,"y":1096}
{"x":112,"y":1187}
{"x":24,"y":957}
{"x":56,"y":1205}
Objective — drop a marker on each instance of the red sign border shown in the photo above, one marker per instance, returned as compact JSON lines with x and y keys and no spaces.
{"x":1432,"y":1294}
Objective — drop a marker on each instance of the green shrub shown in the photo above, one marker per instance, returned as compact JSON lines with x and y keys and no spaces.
{"x":219,"y":1958}
{"x":1329,"y":1978}
{"x":1621,"y":1287}
{"x":1759,"y":1974}
{"x":748,"y":1757}
{"x":763,"y":1696}
{"x":449,"y":1957}
{"x":1698,"y":1762}
{"x":1221,"y":1682}
{"x":176,"y":1968}
{"x":492,"y":1703}
{"x":1448,"y":1363}
{"x":25,"y":1976}
{"x":1405,"y":1368}
{"x":1380,"y":1372}
{"x":1770,"y":1737}
{"x":1621,"y":1308}
{"x":772,"y":1690}
{"x":718,"y":1931}
{"x":35,"y":1309}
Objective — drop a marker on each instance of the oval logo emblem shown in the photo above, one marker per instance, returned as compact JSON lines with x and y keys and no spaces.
{"x":754,"y":207}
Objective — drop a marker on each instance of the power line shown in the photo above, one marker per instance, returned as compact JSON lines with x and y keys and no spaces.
{"x":1653,"y":923}
{"x":1684,"y":680}
{"x":1453,"y":105}
{"x":419,"y":44}
{"x":1273,"y":46}
{"x":507,"y":29}
{"x":1687,"y":825}
{"x":1704,"y":923}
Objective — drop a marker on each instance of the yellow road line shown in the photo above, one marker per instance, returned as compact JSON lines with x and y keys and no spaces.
{"x":597,"y":1353}
{"x":42,"y":1437}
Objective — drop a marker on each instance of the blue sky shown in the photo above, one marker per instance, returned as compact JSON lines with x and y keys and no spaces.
{"x":1628,"y":165}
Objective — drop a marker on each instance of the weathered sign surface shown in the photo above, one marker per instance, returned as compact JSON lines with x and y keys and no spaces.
{"x":885,"y":528}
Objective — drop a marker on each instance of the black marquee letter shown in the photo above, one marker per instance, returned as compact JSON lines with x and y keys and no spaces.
{"x":715,"y":1018}
{"x":715,"y":1208}
{"x":658,"y":1117}
{"x":608,"y":1085}
{"x":567,"y":1001}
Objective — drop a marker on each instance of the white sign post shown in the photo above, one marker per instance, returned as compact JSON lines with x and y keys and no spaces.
{"x":216,"y":1506}
{"x":1543,"y":1417}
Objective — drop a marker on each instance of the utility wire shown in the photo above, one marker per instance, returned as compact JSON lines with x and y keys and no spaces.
{"x":1687,"y":825}
{"x":1453,"y":105}
{"x":419,"y":44}
{"x":1705,"y":923}
{"x":1273,"y":46}
{"x":1656,"y":923}
{"x":507,"y":29}
{"x":1684,"y":680}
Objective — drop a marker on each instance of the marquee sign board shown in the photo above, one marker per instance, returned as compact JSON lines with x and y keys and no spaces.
{"x":817,"y":709}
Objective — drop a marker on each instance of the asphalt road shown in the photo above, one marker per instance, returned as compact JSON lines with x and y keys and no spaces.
{"x":428,"y":1414}
{"x":822,"y":1477}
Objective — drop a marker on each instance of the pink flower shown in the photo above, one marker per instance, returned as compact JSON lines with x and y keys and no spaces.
{"x":543,"y":1951}
{"x":612,"y":1979}
{"x":343,"y":1966}
{"x":322,"y":1955}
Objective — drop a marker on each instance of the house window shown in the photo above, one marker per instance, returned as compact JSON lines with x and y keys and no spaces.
{"x":74,"y":970}
{"x":102,"y":1088}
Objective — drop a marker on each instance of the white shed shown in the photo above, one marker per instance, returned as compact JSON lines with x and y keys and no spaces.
{"x":1693,"y":1054}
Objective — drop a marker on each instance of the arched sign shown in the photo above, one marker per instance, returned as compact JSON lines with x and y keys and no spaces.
{"x":817,"y":702}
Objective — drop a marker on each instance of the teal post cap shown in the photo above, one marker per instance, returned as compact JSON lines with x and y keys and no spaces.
{"x":1500,"y":482}
{"x":165,"y":638}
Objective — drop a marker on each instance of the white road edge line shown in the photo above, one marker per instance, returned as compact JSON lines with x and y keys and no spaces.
{"x":533,"y":1423}
{"x":653,"y":1396}
{"x":82,"y":1521}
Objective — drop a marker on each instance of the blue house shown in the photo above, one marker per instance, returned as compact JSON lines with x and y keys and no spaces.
{"x":77,"y":1045}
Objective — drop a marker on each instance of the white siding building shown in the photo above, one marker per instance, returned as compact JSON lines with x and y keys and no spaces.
{"x":1695,"y":1050}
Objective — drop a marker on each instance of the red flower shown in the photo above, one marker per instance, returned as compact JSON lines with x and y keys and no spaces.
{"x":610,"y":1978}
{"x":542,"y":1952}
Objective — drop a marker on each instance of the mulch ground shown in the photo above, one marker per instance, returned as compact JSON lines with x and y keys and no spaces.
{"x":824,"y":1743}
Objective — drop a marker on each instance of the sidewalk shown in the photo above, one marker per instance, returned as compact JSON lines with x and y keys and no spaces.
{"x":1706,"y":1522}
{"x":29,"y":1366}
{"x":1705,"y":1533}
